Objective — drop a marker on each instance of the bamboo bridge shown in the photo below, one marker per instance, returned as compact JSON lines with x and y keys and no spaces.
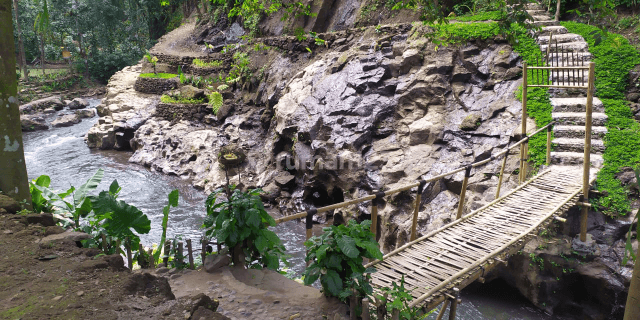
{"x":438,"y":265}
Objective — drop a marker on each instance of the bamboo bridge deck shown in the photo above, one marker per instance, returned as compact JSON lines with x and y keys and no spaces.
{"x":462,"y":251}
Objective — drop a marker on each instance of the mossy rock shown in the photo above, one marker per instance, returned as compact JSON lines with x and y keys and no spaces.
{"x":471,"y":122}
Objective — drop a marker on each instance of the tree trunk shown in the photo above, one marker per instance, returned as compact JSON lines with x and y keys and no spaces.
{"x":13,"y":171}
{"x":237,"y":256}
{"x":22,"y":56}
{"x":42,"y":52}
{"x":632,"y":310}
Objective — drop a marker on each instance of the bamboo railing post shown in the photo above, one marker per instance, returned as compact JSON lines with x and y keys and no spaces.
{"x":127,"y":243}
{"x":454,"y":304}
{"x":374,"y":214}
{"x":167,"y":250}
{"x":190,"y":252}
{"x":416,"y":210}
{"x":549,"y":145}
{"x":105,"y":248}
{"x":152,"y":263}
{"x":524,"y":117}
{"x":445,"y":304}
{"x":203,"y":254}
{"x":504,"y":164}
{"x":141,"y":252}
{"x":587,"y":155}
{"x":118,"y":246}
{"x":179,"y":256}
{"x":525,"y":159}
{"x":366,"y":313}
{"x":463,"y":192}
{"x":309,"y":222}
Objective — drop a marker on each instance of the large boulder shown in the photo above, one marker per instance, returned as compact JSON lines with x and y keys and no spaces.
{"x":41,"y":104}
{"x":32,"y":123}
{"x":214,"y":262}
{"x":66,"y":120}
{"x":78,"y":103}
{"x":191,"y":92}
{"x":85,"y":113}
{"x":9,"y":204}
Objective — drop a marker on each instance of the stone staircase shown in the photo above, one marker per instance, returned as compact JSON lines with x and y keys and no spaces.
{"x":569,"y":105}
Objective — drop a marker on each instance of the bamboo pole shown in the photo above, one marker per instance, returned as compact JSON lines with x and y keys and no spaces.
{"x":366,"y":313}
{"x":549,"y":145}
{"x":127,"y":243}
{"x":454,"y":304}
{"x":587,"y":155}
{"x":152,"y":263}
{"x":141,"y":253}
{"x":309,"y":222}
{"x":179,"y":256}
{"x":203,"y":254}
{"x":463,"y":192}
{"x":525,"y":161}
{"x":523,"y":124}
{"x":416,"y":210}
{"x":558,"y":68}
{"x":104,"y":243}
{"x":445,"y":304}
{"x":556,"y":86}
{"x":190,"y":252}
{"x":504,"y":164}
{"x":167,"y":250}
{"x":374,"y":217}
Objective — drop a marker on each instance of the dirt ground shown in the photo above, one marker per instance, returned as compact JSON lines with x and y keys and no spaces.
{"x":45,"y":275}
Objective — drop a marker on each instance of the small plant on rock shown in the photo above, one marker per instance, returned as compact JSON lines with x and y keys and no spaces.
{"x":153,"y":60}
{"x":336,"y":258}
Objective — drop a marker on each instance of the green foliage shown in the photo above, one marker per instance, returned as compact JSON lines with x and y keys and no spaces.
{"x":614,"y":57}
{"x":207,"y":64}
{"x":158,"y":75}
{"x":482,"y":16}
{"x":40,"y":203}
{"x":240,"y":223}
{"x":179,"y":100}
{"x":173,"y":202}
{"x":399,"y":298}
{"x":215,"y":101}
{"x":336,"y":256}
{"x":300,"y":34}
{"x":596,"y":11}
{"x":239,"y":68}
{"x":151,"y":59}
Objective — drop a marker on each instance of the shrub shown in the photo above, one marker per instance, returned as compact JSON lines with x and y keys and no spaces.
{"x":103,"y":64}
{"x":179,"y":100}
{"x":207,"y":64}
{"x":158,"y":75}
{"x":336,"y":257}
{"x":241,"y":223}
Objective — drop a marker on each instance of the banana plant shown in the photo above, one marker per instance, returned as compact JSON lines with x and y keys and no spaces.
{"x":173,"y":202}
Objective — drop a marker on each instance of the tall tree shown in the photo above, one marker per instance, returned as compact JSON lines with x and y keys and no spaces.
{"x":13,"y":170}
{"x":42,"y":26}
{"x":22,"y":59}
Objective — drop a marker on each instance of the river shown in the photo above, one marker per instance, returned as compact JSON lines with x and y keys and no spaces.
{"x":62,"y":154}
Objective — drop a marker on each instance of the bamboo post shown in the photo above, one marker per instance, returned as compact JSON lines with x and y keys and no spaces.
{"x":104,"y":243}
{"x":504,"y":164}
{"x":141,"y":252}
{"x":309,"y":221}
{"x":127,"y":243}
{"x":179,"y":256}
{"x":118,"y":246}
{"x":463,"y":192}
{"x":353,"y":305}
{"x":152,"y":262}
{"x":366,"y":315}
{"x":454,"y":304}
{"x":374,"y":214}
{"x":416,"y":210}
{"x":445,"y":305}
{"x":167,"y":250}
{"x":587,"y":155}
{"x":203,"y":254}
{"x":525,"y":159}
{"x":524,"y":117}
{"x":190,"y":252}
{"x":549,"y":145}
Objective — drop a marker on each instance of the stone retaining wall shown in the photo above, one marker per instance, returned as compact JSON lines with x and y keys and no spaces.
{"x":156,"y":86}
{"x":191,"y":112}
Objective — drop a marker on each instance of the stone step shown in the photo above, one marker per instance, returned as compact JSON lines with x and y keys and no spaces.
{"x":560,"y":38}
{"x":575,"y":105}
{"x":575,"y":158}
{"x":577,"y":145}
{"x":569,"y":78}
{"x":578,"y":46}
{"x":545,"y":23}
{"x":533,"y":6}
{"x":577,"y":132}
{"x":555,"y":29}
{"x":578,"y":118}
{"x":542,"y":17}
{"x":570,"y":59}
{"x":537,"y":12}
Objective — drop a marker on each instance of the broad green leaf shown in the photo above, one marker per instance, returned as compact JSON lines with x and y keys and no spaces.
{"x":332,"y":282}
{"x":253,"y":219}
{"x":43,"y":181}
{"x":334,"y":262}
{"x":215,"y":101}
{"x":321,"y":253}
{"x":67,"y":193}
{"x":90,"y":185}
{"x":371,"y":247}
{"x":173,"y":198}
{"x":261,"y":244}
{"x":348,"y":247}
{"x":114,"y":188}
{"x":270,"y":235}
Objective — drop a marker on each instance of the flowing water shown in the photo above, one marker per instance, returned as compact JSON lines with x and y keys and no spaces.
{"x":62,"y":154}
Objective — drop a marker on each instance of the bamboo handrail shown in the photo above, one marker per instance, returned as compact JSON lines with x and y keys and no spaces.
{"x":558,"y":68}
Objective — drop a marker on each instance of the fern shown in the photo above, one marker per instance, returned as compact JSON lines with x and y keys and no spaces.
{"x":215,"y":101}
{"x":223,"y":87}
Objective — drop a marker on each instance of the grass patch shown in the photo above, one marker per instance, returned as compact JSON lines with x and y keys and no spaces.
{"x":158,"y":75}
{"x":482,"y":16}
{"x":614,"y":57}
{"x":207,"y":64}
{"x":180,"y":100}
